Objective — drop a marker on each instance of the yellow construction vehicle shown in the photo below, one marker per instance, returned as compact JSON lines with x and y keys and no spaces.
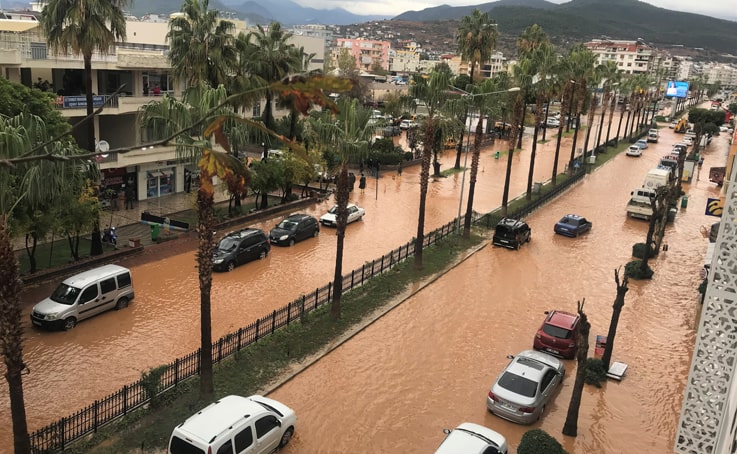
{"x":682,"y":126}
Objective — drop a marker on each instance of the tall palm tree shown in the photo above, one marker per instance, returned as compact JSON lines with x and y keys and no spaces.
{"x":83,"y":27}
{"x":272,"y":59}
{"x":518,"y":117}
{"x":433,"y":92}
{"x":199,"y":106}
{"x":36,"y":184}
{"x":610,"y":77}
{"x":475,"y":41}
{"x":565,"y":86}
{"x":201,"y":47}
{"x":347,"y":133}
{"x":583,"y":72}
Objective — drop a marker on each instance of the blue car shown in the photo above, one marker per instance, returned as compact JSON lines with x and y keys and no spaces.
{"x":572,"y":225}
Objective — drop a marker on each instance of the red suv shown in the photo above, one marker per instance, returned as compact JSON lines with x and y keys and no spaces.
{"x":558,"y":334}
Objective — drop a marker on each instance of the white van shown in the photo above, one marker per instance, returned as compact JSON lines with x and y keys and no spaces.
{"x":251,"y":425}
{"x":84,"y":295}
{"x":657,"y":177}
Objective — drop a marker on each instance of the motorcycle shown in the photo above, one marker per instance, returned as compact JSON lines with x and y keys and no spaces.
{"x":109,"y":236}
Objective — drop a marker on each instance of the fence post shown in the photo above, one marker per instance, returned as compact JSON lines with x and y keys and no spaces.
{"x":289,"y":312}
{"x":317,"y":296}
{"x":220,"y":350}
{"x":373,"y":267}
{"x":125,"y":399}
{"x":62,"y":432}
{"x":176,"y":372}
{"x":273,"y":322}
{"x":353,"y":275}
{"x":96,"y":417}
{"x":258,"y":324}
{"x":363,"y":273}
{"x":240,"y":338}
{"x":330,"y":291}
{"x":381,"y":268}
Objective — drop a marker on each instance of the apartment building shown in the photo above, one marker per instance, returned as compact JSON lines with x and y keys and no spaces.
{"x":141,"y":67}
{"x":366,"y":52}
{"x":403,"y":60}
{"x":722,"y":74}
{"x":631,"y":57}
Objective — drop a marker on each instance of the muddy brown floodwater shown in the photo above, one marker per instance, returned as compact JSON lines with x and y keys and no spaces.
{"x":70,"y":370}
{"x":429,"y":363}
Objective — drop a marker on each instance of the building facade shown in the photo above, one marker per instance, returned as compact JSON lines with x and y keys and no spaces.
{"x":367,"y":53}
{"x":631,"y":57}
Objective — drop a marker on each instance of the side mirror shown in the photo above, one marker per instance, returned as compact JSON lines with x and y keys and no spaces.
{"x":447,"y":431}
{"x":547,"y":312}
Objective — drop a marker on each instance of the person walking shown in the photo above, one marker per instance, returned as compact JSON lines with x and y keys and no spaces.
{"x":129,"y":196}
{"x":362,"y":183}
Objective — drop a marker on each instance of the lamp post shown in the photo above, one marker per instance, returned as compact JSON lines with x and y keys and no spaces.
{"x":468,"y":144}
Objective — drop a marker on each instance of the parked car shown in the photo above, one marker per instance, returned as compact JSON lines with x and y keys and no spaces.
{"x":673,"y":124}
{"x":526,"y":385}
{"x":237,"y":248}
{"x":652,"y":136}
{"x":634,"y":150}
{"x":558,"y":334}
{"x":293,"y":228}
{"x":470,"y":438}
{"x":407,"y":124}
{"x":511,"y":233}
{"x":355,"y":213}
{"x":572,"y":225}
{"x":551,"y":122}
{"x":642,"y":143}
{"x":254,"y":424}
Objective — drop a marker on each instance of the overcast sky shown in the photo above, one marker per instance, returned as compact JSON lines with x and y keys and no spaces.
{"x":723,"y":9}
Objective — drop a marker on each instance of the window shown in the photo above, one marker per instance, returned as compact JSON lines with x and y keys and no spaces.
{"x":266,"y":425}
{"x":107,"y":285}
{"x":243,"y":439}
{"x":88,"y":294}
{"x":227,"y":448}
{"x":124,"y":280}
{"x":256,"y":111}
{"x":547,"y":379}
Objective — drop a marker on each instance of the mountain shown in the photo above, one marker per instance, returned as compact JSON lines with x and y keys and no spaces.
{"x":615,"y":19}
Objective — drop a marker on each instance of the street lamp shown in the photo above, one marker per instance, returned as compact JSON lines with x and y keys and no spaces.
{"x":468,"y":143}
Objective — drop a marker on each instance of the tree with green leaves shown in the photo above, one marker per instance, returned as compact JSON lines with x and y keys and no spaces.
{"x":201,"y":47}
{"x":82,"y":28}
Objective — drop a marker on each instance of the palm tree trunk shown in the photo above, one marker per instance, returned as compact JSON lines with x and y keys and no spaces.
{"x":517,"y":115}
{"x":619,"y":126}
{"x":611,"y":117}
{"x":31,"y":251}
{"x":575,"y":137}
{"x":531,"y":173}
{"x":11,"y":340}
{"x":627,"y":132}
{"x":570,"y":427}
{"x":472,"y":177}
{"x":601,"y":123}
{"x":341,"y":198}
{"x":589,"y":124}
{"x":554,"y":178}
{"x":617,"y":310}
{"x":268,"y":115}
{"x":205,"y":214}
{"x":459,"y":148}
{"x":424,"y":181}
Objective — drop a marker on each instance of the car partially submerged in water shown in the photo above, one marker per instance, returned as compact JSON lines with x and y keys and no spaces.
{"x":511,"y":233}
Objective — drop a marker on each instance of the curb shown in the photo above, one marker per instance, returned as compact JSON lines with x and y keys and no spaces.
{"x":369,"y":320}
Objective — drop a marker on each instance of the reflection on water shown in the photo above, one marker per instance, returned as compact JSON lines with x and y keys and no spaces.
{"x":448,"y":352}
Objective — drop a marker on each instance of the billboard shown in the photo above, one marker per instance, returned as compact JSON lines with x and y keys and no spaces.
{"x":677,"y":89}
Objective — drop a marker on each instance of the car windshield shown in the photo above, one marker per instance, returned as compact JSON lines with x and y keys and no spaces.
{"x":558,"y":332}
{"x":518,"y":384}
{"x":567,"y":221}
{"x":228,"y":244}
{"x":286,"y":224}
{"x":65,"y":294}
{"x":333,"y":210}
{"x":504,"y":231}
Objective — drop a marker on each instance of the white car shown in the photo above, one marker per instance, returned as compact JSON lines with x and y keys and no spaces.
{"x":355,"y":213}
{"x":470,"y":438}
{"x":407,"y":124}
{"x":634,"y":150}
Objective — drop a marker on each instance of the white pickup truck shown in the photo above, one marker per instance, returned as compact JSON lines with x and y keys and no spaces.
{"x":639,"y":205}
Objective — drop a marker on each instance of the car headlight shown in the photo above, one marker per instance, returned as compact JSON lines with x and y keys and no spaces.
{"x":283,"y":237}
{"x":217,"y":261}
{"x":52,"y":316}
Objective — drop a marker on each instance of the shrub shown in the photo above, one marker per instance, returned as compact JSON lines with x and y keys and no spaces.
{"x":632,"y":270}
{"x":537,"y":441}
{"x":638,"y":251}
{"x":595,"y":372}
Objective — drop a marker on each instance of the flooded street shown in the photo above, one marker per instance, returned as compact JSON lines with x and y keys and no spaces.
{"x":429,"y":363}
{"x":444,"y":351}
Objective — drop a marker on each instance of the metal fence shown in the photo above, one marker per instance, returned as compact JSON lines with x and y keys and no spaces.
{"x":56,"y":436}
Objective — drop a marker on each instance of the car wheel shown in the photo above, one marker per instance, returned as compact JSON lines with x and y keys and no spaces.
{"x":231,"y":266}
{"x":70,"y":323}
{"x":517,"y":245}
{"x":286,"y":436}
{"x":315,"y":233}
{"x":529,"y":237}
{"x":122,"y":303}
{"x":291,"y":242}
{"x":262,"y":255}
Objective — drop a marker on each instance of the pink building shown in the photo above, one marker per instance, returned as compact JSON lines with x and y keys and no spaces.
{"x":367,"y":52}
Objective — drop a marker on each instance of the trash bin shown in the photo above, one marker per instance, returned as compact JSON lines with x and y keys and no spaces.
{"x":154,"y":232}
{"x":537,"y":187}
{"x":592,"y":159}
{"x":684,"y":201}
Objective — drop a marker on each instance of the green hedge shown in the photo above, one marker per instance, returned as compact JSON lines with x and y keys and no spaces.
{"x":537,"y":441}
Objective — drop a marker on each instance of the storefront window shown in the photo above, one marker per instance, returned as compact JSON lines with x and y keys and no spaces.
{"x":160,"y":182}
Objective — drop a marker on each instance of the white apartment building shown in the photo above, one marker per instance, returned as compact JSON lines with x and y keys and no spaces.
{"x":631,"y":57}
{"x":403,"y":60}
{"x":141,"y":66}
{"x":723,"y":74}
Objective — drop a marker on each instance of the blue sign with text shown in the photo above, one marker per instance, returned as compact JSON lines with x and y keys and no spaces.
{"x":78,"y":102}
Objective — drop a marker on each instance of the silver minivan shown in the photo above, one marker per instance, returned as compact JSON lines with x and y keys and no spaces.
{"x":84,"y":295}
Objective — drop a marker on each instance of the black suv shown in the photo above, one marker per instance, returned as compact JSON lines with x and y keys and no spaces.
{"x":293,"y":228}
{"x":237,"y":248}
{"x":511,"y":233}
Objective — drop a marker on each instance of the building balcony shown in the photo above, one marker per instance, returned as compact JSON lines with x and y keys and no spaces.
{"x":75,"y":106}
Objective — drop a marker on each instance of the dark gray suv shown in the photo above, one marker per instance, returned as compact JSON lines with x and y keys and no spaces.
{"x":293,"y":228}
{"x":237,"y":248}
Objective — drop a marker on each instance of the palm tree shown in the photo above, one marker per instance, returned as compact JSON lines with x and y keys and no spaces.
{"x":348,"y":134}
{"x":82,"y":28}
{"x":611,"y":77}
{"x":432,"y":91}
{"x":544,"y":58}
{"x":272,"y":59}
{"x":201,"y":47}
{"x":584,"y":73}
{"x":37,"y":184}
{"x":199,"y":106}
{"x":518,"y":116}
{"x":476,"y":41}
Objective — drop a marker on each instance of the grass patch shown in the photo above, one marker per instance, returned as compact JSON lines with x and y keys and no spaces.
{"x":451,"y":171}
{"x":255,"y":367}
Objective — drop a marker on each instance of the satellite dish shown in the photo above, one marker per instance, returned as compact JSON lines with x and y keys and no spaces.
{"x":103,"y":147}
